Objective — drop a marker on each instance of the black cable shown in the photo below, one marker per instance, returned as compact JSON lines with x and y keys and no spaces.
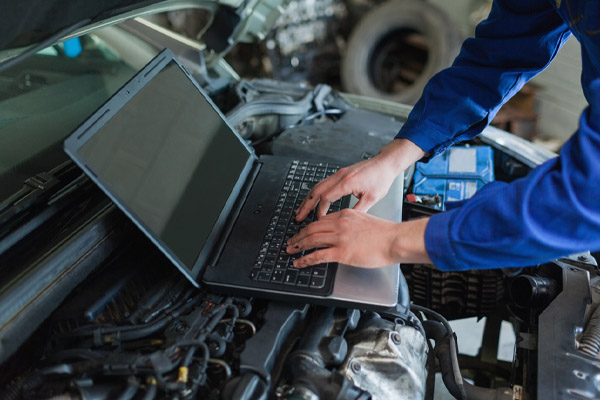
{"x":246,"y":306}
{"x":50,"y":40}
{"x":416,"y":323}
{"x":152,"y":327}
{"x":221,"y":345}
{"x":445,"y":342}
{"x":95,"y":330}
{"x":151,"y":391}
{"x":205,"y":329}
{"x":453,"y":348}
{"x":190,"y":354}
{"x":148,"y":302}
{"x":69,"y":354}
{"x":435,"y":315}
{"x":200,"y":372}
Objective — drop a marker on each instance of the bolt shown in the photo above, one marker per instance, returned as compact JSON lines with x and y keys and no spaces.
{"x":283,"y":391}
{"x":396,"y":338}
{"x":355,"y":367}
{"x":579,"y":374}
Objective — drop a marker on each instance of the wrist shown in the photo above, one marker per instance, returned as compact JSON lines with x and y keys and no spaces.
{"x":399,"y":154}
{"x":408,"y":244}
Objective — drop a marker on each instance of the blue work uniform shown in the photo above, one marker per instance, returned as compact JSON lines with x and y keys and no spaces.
{"x":555,"y":210}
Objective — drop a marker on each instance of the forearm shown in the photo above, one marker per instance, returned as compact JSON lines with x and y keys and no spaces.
{"x":516,"y":42}
{"x":551,"y":213}
{"x":408,"y":244}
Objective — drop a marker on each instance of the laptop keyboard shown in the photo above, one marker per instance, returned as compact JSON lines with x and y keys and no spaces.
{"x":273,"y":264}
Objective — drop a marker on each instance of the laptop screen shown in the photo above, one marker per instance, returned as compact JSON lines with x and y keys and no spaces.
{"x":171,"y":159}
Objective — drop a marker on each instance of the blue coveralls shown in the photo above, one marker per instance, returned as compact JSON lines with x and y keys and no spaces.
{"x":555,"y":210}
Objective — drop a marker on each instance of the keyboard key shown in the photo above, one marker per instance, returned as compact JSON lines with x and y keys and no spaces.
{"x":282,"y":226}
{"x":277,"y":276}
{"x":319,"y":272}
{"x":264,"y":276}
{"x":280,"y":265}
{"x":317,"y":283}
{"x":269,"y":260}
{"x":307,"y":186}
{"x":303,"y":280}
{"x":272,"y":253}
{"x":254,"y":274}
{"x":290,"y":277}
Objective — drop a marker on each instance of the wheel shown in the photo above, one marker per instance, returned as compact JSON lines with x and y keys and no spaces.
{"x":396,"y":48}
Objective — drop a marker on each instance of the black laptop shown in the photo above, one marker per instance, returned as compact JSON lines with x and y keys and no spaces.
{"x":164,"y":153}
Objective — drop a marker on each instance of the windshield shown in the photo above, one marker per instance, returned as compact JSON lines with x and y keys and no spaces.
{"x":48,"y":95}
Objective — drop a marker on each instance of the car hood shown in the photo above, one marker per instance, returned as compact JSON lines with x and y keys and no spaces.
{"x":25,"y":23}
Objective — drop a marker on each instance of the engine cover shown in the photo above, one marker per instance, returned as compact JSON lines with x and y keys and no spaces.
{"x":387,"y":360}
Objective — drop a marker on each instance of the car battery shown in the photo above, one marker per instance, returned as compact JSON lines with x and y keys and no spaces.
{"x":454,"y":175}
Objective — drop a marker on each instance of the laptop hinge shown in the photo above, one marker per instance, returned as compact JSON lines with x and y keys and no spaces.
{"x":235,"y":211}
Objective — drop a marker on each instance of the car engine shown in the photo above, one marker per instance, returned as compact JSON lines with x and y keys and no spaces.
{"x":305,"y":42}
{"x":98,"y":313}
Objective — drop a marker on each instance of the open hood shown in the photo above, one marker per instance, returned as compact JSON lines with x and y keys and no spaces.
{"x":25,"y":23}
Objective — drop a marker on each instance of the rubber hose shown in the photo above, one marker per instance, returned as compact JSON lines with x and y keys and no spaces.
{"x":151,"y":392}
{"x":264,"y":107}
{"x":239,"y":114}
{"x":439,"y":334}
{"x":246,"y":306}
{"x":130,"y":391}
{"x":444,"y":342}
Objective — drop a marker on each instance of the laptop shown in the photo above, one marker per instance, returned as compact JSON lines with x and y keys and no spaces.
{"x":167,"y":157}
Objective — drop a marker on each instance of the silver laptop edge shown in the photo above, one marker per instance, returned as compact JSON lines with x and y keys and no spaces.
{"x":377,"y":287}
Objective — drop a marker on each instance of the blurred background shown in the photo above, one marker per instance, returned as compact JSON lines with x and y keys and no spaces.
{"x":390,"y":49}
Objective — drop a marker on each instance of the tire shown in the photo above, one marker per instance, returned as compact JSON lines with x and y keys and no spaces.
{"x":396,"y":48}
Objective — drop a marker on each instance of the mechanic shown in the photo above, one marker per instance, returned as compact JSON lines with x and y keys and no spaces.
{"x":553,"y":212}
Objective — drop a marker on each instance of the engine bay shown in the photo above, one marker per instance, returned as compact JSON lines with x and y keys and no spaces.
{"x":129,"y":327}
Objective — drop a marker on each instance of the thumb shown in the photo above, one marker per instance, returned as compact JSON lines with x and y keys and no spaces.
{"x":364,"y":203}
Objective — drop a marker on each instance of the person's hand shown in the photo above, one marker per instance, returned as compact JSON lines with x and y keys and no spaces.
{"x":359,"y":239}
{"x":367,"y":180}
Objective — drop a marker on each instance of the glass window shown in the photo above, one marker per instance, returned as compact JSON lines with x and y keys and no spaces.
{"x":46,"y":96}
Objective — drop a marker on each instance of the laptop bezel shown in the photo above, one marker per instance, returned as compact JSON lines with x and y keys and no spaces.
{"x":82,"y":134}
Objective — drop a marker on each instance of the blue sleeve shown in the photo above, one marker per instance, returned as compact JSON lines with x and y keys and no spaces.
{"x":516,"y":41}
{"x":553,"y":212}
